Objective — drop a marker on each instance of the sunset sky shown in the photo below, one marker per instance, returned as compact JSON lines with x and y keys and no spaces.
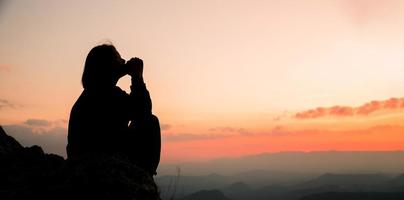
{"x":227,"y":77}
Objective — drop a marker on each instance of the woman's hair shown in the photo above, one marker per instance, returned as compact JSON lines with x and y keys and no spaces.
{"x":98,"y":66}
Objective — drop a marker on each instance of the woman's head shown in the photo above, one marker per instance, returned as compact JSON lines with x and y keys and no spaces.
{"x":103,"y":67}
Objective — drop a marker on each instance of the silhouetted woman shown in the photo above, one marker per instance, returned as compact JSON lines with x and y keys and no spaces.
{"x":107,"y":120}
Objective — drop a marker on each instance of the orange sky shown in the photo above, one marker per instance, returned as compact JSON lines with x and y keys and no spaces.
{"x":380,"y":129}
{"x":227,"y":78}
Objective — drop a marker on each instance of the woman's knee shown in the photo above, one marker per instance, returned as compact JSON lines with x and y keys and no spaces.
{"x":155,"y":119}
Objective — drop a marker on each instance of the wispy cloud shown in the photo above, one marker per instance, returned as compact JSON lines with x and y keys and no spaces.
{"x":283,"y":132}
{"x":165,"y":127}
{"x":281,"y":116}
{"x":346,"y":111}
{"x":6,"y":104}
{"x":228,"y":129}
{"x":222,"y":129}
{"x":213,"y":134}
{"x":229,"y":132}
{"x":191,"y":137}
{"x":37,"y":122}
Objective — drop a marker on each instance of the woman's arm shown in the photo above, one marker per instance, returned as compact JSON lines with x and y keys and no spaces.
{"x":144,"y":124}
{"x":140,"y":99}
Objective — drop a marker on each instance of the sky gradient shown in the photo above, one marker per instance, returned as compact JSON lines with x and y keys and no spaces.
{"x":227,"y":78}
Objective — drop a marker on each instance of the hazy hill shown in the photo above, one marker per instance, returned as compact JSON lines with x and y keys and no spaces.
{"x":206,"y":195}
{"x":355,"y":196}
{"x":346,"y":181}
{"x":185,"y":185}
{"x":236,"y":189}
{"x":398,"y":181}
{"x":308,"y":163}
{"x":335,"y":185}
{"x":262,"y":177}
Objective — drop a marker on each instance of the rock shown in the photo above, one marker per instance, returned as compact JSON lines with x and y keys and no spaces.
{"x":29,"y":173}
{"x":8,"y":145}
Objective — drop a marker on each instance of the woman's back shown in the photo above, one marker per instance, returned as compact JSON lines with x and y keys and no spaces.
{"x":97,"y":120}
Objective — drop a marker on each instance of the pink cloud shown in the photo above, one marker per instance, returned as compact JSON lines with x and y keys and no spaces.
{"x":346,"y":111}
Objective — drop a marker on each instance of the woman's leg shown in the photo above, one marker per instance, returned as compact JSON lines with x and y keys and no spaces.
{"x":144,"y":143}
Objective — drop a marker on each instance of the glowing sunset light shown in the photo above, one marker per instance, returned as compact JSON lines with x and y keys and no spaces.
{"x":227,"y":78}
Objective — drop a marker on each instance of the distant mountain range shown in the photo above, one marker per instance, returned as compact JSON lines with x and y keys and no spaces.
{"x":328,"y":186}
{"x":355,"y":196}
{"x":346,"y":181}
{"x":308,"y":163}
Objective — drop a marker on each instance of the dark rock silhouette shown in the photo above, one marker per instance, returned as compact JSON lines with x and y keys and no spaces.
{"x":29,"y":173}
{"x":8,"y":145}
{"x":106,"y":120}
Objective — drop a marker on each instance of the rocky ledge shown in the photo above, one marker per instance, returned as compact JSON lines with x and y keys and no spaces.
{"x":29,"y":173}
